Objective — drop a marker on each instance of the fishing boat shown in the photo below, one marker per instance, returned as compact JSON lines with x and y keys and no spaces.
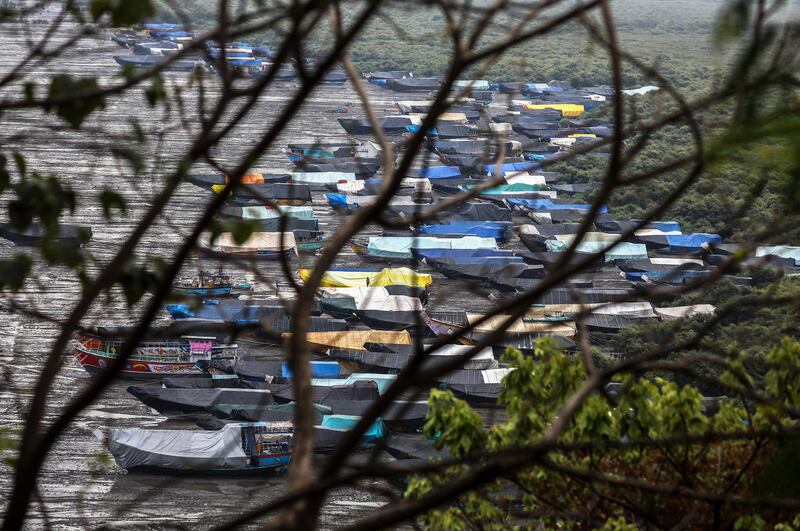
{"x":398,"y":249}
{"x":389,"y":312}
{"x":356,"y":277}
{"x":391,"y":125}
{"x":273,"y":193}
{"x":236,"y":449}
{"x":343,"y":303}
{"x":151,"y":359}
{"x":259,"y":246}
{"x":209,"y":181}
{"x":211,"y":285}
{"x":353,"y":339}
{"x":151,"y":61}
{"x":37,"y":232}
{"x":309,"y":241}
{"x":521,"y":334}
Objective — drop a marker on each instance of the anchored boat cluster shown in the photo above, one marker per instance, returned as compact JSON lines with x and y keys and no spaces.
{"x":495,"y":140}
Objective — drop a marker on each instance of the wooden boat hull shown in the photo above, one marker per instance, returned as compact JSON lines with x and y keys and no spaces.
{"x":275,"y":467}
{"x":96,"y":363}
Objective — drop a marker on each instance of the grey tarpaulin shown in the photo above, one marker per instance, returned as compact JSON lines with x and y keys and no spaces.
{"x":177,"y":449}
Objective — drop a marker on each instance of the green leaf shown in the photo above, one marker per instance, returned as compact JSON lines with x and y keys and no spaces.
{"x":22,"y":166}
{"x":133,"y":158}
{"x":5,"y":177}
{"x":732,"y":22}
{"x":110,"y":199}
{"x":136,"y":281}
{"x":242,"y":230}
{"x":156,"y":91}
{"x":14,"y":271}
{"x":28,"y":90}
{"x":62,"y":252}
{"x":75,"y":97}
{"x":123,"y":12}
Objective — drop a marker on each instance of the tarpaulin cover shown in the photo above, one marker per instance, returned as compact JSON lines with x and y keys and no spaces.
{"x":178,"y":449}
{"x":400,"y":246}
{"x":453,"y":130}
{"x":323,"y":177}
{"x":357,"y":294}
{"x":483,"y":212}
{"x":383,"y":381}
{"x":279,"y":191}
{"x":343,"y":278}
{"x":474,"y":84}
{"x":665,"y":226}
{"x":355,"y":339}
{"x":569,"y":110}
{"x":390,"y":303}
{"x":784,"y":251}
{"x":321,"y":369}
{"x":228,"y":310}
{"x":520,"y":326}
{"x":464,"y":254}
{"x":525,"y":178}
{"x":548,"y":204}
{"x":511,"y":189}
{"x":262,"y":212}
{"x":262,"y":369}
{"x":514,"y":167}
{"x":400,"y":355}
{"x":693,"y":241}
{"x":440,"y":172}
{"x":588,"y":237}
{"x":258,"y":241}
{"x":348,"y":422}
{"x":413,"y":83}
{"x":676,"y":312}
{"x":622,"y":251}
{"x":484,"y":229}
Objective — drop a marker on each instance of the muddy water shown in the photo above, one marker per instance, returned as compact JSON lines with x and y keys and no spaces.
{"x":78,"y":487}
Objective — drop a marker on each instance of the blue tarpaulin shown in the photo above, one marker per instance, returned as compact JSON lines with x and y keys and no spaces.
{"x":692,"y":241}
{"x":319,"y":369}
{"x":348,"y":422}
{"x":440,"y":172}
{"x":486,"y":229}
{"x":400,"y":246}
{"x":548,"y":204}
{"x":665,"y":226}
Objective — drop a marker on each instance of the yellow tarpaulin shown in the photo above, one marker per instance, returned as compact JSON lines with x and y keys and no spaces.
{"x":401,"y":276}
{"x":568,"y":110}
{"x":354,"y":339}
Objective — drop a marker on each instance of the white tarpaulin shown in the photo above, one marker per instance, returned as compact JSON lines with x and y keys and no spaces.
{"x":676,"y":312}
{"x":258,"y":241}
{"x":526,"y":178}
{"x":392,"y":303}
{"x":358,"y":294}
{"x":178,"y":449}
{"x":321,"y":177}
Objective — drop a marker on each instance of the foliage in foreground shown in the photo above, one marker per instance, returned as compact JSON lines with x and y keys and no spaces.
{"x":658,"y":454}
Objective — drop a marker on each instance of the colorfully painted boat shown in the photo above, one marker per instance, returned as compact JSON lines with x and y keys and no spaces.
{"x":236,"y":449}
{"x":211,"y":285}
{"x":152,"y":359}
